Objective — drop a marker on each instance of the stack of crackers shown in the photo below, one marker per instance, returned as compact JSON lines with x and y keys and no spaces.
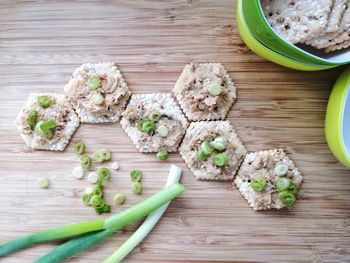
{"x":323,"y":24}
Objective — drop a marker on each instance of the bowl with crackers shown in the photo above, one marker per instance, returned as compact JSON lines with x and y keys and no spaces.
{"x":337,"y":125}
{"x":315,"y":32}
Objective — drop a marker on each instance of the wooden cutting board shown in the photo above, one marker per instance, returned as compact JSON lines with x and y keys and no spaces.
{"x":43,"y":42}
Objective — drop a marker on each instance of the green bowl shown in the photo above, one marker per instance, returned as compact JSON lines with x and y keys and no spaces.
{"x":337,"y":125}
{"x":267,"y":53}
{"x":262,"y":31}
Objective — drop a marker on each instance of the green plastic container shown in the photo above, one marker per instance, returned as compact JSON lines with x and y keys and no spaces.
{"x":267,"y":53}
{"x":337,"y":125}
{"x":262,"y":31}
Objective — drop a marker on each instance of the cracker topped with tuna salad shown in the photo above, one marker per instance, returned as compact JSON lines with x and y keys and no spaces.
{"x":268,"y":179}
{"x":212,"y":150}
{"x":98,"y":92}
{"x":47,"y":121}
{"x":154,"y":122}
{"x":205,"y":91}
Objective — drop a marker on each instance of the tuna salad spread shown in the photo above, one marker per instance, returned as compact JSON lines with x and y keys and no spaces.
{"x":205,"y":91}
{"x":212,"y":150}
{"x":268,"y":179}
{"x":47,"y":121}
{"x":154,"y":122}
{"x":98,"y":92}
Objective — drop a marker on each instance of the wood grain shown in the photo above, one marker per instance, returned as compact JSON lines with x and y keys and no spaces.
{"x":41,"y":42}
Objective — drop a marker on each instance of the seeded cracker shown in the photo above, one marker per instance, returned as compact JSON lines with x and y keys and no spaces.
{"x":336,"y":15}
{"x":298,"y":20}
{"x":335,"y":38}
{"x":340,"y":46}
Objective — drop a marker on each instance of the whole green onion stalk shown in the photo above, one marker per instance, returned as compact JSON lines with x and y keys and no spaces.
{"x":112,"y":224}
{"x":147,"y":225}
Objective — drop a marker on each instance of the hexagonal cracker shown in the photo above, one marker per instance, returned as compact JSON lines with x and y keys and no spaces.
{"x":264,"y":163}
{"x":61,"y":111}
{"x":199,"y":132}
{"x":113,"y":89}
{"x":192,"y":91}
{"x":140,"y":107}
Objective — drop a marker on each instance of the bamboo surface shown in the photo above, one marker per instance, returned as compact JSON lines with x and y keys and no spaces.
{"x":42,"y":42}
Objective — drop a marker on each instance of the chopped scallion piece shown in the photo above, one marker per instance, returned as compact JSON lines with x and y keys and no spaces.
{"x":287,"y":198}
{"x":43,"y":182}
{"x":136,"y":175}
{"x":154,"y":116}
{"x":85,"y":161}
{"x":202,"y":156}
{"x":92,"y":178}
{"x":79,"y":148}
{"x":96,"y":201}
{"x":215,"y":89}
{"x":148,"y":126}
{"x":104,"y":173}
{"x":136,"y":188}
{"x":119,"y":199}
{"x":219,"y":143}
{"x":78,"y":172}
{"x":258,"y":183}
{"x":97,"y":99}
{"x":97,"y":156}
{"x":162,"y":155}
{"x":32,"y":119}
{"x":44,"y":101}
{"x":220,"y":159}
{"x":282,"y":184}
{"x":293,"y":188}
{"x":281,"y":169}
{"x":163,"y":131}
{"x":94,"y":82}
{"x":106,"y":154}
{"x":206,"y":148}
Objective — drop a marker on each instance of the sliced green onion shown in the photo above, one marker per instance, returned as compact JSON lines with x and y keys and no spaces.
{"x":32,"y":119}
{"x":258,"y":183}
{"x":103,"y":209}
{"x":97,"y":99}
{"x":215,"y":89}
{"x":281,"y":169}
{"x":86,"y":199}
{"x":135,"y":175}
{"x":44,"y":101}
{"x":282,"y":184}
{"x":98,"y":190}
{"x":43,"y":182}
{"x":154,"y":116}
{"x":287,"y":198}
{"x":136,"y":188}
{"x":148,"y":126}
{"x":106,"y":154}
{"x":206,"y":148}
{"x":139,"y":124}
{"x":79,"y":148}
{"x":85,"y":161}
{"x":147,"y":225}
{"x":104,"y":173}
{"x":48,"y":134}
{"x":293,"y":188}
{"x":220,"y":159}
{"x":94,"y":82}
{"x":48,"y":125}
{"x":163,"y":131}
{"x":202,"y":156}
{"x":92,"y":178}
{"x":96,"y":201}
{"x":115,"y":166}
{"x":119,"y":199}
{"x":162,"y":155}
{"x":78,"y":172}
{"x":219,"y":143}
{"x":97,"y":156}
